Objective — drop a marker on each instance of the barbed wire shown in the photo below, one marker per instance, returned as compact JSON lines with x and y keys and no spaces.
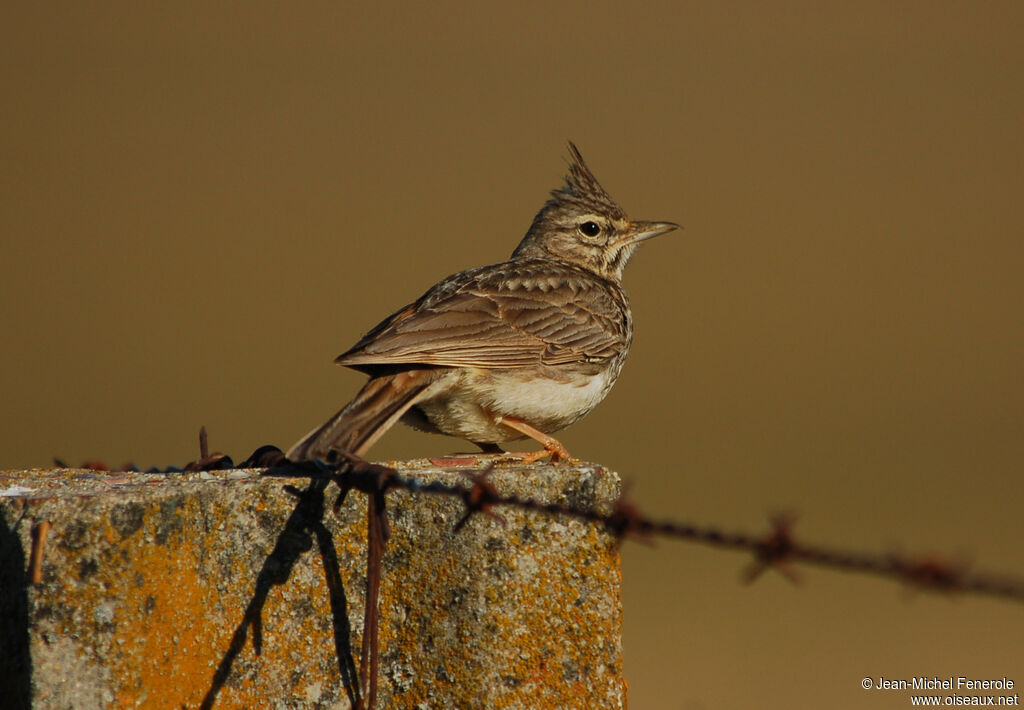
{"x":776,"y":549}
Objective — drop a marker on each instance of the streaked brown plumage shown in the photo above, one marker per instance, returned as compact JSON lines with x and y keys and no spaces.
{"x":518,"y":349}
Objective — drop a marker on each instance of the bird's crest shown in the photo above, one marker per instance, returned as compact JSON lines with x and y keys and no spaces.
{"x":582,"y":190}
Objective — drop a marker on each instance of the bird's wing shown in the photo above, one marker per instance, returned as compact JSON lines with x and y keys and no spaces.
{"x":507,"y":315}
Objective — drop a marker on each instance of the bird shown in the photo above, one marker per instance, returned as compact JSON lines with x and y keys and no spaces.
{"x":518,"y":349}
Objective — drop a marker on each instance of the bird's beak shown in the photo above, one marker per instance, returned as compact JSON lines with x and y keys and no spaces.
{"x":646,"y":230}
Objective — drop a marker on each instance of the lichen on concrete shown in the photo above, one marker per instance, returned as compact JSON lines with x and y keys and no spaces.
{"x":165,"y":590}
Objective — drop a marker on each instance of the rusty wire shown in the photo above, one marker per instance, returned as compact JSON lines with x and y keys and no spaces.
{"x":774,"y":550}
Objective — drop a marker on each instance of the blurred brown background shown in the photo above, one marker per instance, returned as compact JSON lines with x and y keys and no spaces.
{"x":201,"y":207}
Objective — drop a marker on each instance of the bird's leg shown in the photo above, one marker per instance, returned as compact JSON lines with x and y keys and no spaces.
{"x":488,"y":448}
{"x":552,"y":446}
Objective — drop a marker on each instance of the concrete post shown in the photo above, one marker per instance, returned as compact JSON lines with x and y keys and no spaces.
{"x":171,"y":590}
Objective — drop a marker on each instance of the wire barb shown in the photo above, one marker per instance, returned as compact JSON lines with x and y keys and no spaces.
{"x":479,"y":498}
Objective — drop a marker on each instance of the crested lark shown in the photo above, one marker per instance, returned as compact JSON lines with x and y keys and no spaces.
{"x":518,"y":349}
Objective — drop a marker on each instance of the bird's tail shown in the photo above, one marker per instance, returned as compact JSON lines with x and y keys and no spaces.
{"x":354,"y":429}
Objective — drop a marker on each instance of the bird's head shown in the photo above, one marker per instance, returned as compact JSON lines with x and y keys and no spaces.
{"x":583,"y":226}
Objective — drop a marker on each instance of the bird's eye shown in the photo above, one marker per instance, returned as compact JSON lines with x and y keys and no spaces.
{"x":590,"y":229}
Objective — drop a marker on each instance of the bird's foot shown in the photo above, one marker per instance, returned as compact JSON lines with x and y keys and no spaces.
{"x":555,"y":450}
{"x":552,"y":446}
